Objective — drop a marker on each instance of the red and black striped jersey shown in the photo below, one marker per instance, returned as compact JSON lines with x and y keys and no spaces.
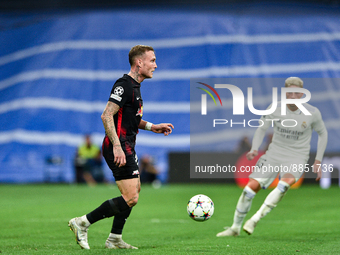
{"x":126,"y":93}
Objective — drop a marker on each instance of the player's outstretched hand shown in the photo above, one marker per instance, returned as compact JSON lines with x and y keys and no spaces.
{"x":317,"y":169}
{"x":165,"y":128}
{"x":251,"y":154}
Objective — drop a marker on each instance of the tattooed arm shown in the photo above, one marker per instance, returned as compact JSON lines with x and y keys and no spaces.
{"x":165,"y":128}
{"x":110,"y":130}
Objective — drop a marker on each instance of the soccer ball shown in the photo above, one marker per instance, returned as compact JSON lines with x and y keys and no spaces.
{"x":200,"y":208}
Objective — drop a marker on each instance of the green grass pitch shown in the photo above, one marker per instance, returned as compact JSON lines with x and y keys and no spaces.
{"x":34,"y":221}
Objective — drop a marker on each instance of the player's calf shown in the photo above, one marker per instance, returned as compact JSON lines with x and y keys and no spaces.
{"x":269,"y":204}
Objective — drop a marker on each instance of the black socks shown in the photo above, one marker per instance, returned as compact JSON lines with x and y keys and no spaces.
{"x":119,"y":221}
{"x":108,"y":209}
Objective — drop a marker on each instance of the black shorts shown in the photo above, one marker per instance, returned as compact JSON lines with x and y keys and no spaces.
{"x":129,"y":171}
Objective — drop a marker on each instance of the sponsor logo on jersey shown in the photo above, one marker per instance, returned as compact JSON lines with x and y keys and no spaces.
{"x":116,"y":97}
{"x":140,"y":111}
{"x":135,"y":172}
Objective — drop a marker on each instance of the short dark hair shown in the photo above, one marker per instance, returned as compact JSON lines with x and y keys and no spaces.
{"x":138,"y":50}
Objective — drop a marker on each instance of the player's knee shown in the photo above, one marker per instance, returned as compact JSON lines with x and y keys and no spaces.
{"x":254,"y":185}
{"x":288,"y":179}
{"x":133,"y":200}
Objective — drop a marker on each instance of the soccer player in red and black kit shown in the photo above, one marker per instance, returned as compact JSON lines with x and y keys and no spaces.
{"x":122,"y":117}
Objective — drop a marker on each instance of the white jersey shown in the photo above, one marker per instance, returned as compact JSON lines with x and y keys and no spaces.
{"x":292,"y":133}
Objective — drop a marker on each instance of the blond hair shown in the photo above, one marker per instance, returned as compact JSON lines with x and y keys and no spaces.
{"x":294,"y":81}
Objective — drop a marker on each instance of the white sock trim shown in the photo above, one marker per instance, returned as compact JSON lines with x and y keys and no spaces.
{"x":85,"y":221}
{"x":111,"y":236}
{"x":283,"y":186}
{"x":249,"y":192}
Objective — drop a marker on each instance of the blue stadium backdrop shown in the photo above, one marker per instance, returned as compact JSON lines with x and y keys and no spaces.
{"x":57,"y":69}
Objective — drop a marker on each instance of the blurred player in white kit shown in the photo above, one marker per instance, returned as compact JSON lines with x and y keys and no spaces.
{"x":288,"y":151}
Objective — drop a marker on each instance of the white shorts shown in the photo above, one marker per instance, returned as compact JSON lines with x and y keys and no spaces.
{"x":267,"y":170}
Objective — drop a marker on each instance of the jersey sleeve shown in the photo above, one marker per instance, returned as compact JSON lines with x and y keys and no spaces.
{"x":320,"y":128}
{"x":120,"y":93}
